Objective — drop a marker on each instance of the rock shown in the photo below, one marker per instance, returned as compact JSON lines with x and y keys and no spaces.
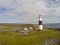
{"x":51,"y":42}
{"x":30,"y":29}
{"x":21,"y":31}
{"x":26,"y":29}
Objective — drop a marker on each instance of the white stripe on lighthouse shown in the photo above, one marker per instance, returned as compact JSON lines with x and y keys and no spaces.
{"x":40,"y":27}
{"x":40,"y":18}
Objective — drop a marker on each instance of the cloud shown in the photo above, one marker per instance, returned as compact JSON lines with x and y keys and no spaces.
{"x":27,"y":11}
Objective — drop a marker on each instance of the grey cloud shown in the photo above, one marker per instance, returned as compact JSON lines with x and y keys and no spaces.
{"x":27,"y":11}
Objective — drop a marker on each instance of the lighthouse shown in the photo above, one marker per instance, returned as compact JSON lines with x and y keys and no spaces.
{"x":40,"y":23}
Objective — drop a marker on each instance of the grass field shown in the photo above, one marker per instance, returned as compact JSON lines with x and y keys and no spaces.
{"x":34,"y":38}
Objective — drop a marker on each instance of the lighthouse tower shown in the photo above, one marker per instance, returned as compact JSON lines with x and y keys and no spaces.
{"x":40,"y":23}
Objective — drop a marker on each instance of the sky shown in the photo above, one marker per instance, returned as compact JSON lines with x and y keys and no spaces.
{"x":27,"y":11}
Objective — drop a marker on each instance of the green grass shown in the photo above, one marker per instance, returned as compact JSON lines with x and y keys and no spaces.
{"x":34,"y":38}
